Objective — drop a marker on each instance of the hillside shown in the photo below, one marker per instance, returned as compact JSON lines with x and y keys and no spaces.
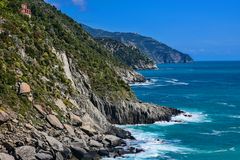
{"x":61,"y":91}
{"x":159,"y":52}
{"x":128,"y":55}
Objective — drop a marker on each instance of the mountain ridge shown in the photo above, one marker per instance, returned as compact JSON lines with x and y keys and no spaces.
{"x":159,"y":52}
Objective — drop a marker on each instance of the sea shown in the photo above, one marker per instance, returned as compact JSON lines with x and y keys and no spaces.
{"x":210,"y":91}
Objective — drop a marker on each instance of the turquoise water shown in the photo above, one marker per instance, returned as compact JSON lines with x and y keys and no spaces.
{"x":208,"y":90}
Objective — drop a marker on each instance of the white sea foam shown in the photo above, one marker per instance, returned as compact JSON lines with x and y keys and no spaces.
{"x":147,"y":83}
{"x":226,"y":104}
{"x":154,"y":146}
{"x":219,"y":150}
{"x":196,"y":117}
{"x":165,"y":123}
{"x":219,"y":133}
{"x":176,"y":82}
{"x":234,"y":116}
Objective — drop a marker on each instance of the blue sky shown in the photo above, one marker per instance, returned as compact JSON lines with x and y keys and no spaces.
{"x":205,"y":29}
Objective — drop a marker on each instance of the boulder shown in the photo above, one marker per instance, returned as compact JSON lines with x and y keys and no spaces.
{"x":40,"y":109}
{"x":44,"y":155}
{"x":88,"y":130}
{"x":26,"y":153}
{"x":28,"y":126}
{"x":96,"y":144}
{"x":24,"y":88}
{"x":75,"y":120}
{"x":54,"y":143}
{"x":103,"y":152}
{"x":78,"y":151}
{"x":113,"y":140}
{"x":69,"y":129}
{"x":93,"y":155}
{"x":79,"y":144}
{"x":54,"y":121}
{"x":61,"y":105}
{"x":4,"y":156}
{"x":67,"y":153}
{"x":4,"y":117}
{"x":59,"y":156}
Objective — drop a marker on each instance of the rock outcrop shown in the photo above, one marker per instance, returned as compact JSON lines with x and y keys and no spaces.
{"x":141,"y":113}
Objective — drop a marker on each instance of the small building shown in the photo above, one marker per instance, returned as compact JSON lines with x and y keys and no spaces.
{"x":25,"y":10}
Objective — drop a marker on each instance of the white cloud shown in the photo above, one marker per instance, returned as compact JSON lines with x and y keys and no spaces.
{"x":80,"y":3}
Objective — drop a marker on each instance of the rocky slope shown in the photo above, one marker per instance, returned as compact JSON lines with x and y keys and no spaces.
{"x":128,"y":55}
{"x":159,"y":52}
{"x":60,"y":91}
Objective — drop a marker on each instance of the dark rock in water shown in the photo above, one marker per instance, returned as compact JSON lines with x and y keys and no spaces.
{"x":121,"y":133}
{"x":178,"y":121}
{"x":103,"y":152}
{"x":119,"y":151}
{"x":92,"y":155}
{"x":26,"y":153}
{"x":44,"y":155}
{"x":138,"y":150}
{"x":78,"y":151}
{"x":187,"y":115}
{"x":4,"y":156}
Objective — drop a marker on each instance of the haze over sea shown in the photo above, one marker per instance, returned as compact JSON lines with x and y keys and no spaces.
{"x":210,"y":91}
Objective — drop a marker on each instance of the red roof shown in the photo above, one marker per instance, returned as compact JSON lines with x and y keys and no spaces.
{"x":25,"y":10}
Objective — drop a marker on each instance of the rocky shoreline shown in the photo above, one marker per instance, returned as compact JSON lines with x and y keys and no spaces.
{"x":82,"y":125}
{"x":88,"y":133}
{"x":81,"y":129}
{"x":21,"y":140}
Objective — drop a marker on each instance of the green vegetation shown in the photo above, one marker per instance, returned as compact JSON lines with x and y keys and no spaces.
{"x":26,"y":55}
{"x":128,"y":55}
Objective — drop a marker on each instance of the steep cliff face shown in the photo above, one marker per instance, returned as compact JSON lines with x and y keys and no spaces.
{"x":159,"y":52}
{"x":128,"y":55}
{"x":60,"y":91}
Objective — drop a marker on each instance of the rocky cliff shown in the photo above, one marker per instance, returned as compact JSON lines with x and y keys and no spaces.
{"x":129,"y":55}
{"x":60,"y":91}
{"x":159,"y":52}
